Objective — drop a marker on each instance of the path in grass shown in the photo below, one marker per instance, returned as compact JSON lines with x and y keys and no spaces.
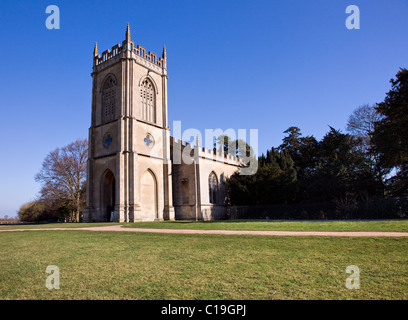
{"x":229,"y":232}
{"x":244,"y":225}
{"x":399,"y":226}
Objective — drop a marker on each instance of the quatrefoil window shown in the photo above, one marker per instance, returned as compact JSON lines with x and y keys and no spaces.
{"x":149,"y":141}
{"x":107,"y":140}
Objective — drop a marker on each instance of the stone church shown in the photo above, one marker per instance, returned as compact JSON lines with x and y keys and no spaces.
{"x":136,"y":170}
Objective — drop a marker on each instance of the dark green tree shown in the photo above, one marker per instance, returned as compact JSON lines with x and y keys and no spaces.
{"x":273,"y":182}
{"x":303,"y":151}
{"x":342,"y":168}
{"x":390,"y":137}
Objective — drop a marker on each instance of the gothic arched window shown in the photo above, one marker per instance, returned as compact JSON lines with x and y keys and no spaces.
{"x":213,"y":187}
{"x":109,"y":100}
{"x":148,"y":103}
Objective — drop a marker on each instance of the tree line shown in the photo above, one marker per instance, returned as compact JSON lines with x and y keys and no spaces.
{"x":362,"y":170}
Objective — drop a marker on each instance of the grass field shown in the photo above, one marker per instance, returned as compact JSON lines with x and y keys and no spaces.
{"x":272,"y":225}
{"x":122,"y":265}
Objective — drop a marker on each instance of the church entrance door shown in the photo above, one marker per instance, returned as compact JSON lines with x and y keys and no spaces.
{"x":148,"y":196}
{"x":108,"y":196}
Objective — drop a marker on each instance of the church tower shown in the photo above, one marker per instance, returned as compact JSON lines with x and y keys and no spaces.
{"x":129,"y":166}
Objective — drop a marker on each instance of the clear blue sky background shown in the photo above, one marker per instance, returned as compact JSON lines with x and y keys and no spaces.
{"x":264,"y":65}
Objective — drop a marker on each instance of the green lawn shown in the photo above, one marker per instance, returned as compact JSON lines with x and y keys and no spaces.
{"x":122,"y":265}
{"x":271,"y":225}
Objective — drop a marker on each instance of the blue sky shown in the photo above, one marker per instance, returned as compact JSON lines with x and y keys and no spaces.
{"x":264,"y":65}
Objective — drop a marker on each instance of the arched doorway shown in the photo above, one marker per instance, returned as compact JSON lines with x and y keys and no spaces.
{"x":148,"y":195}
{"x":107,"y":195}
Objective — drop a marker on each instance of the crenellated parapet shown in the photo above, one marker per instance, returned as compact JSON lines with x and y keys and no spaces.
{"x":183,"y":151}
{"x":129,"y":50}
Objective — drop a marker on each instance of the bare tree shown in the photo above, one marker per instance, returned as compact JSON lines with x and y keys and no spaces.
{"x":361,"y":123}
{"x":63,"y":175}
